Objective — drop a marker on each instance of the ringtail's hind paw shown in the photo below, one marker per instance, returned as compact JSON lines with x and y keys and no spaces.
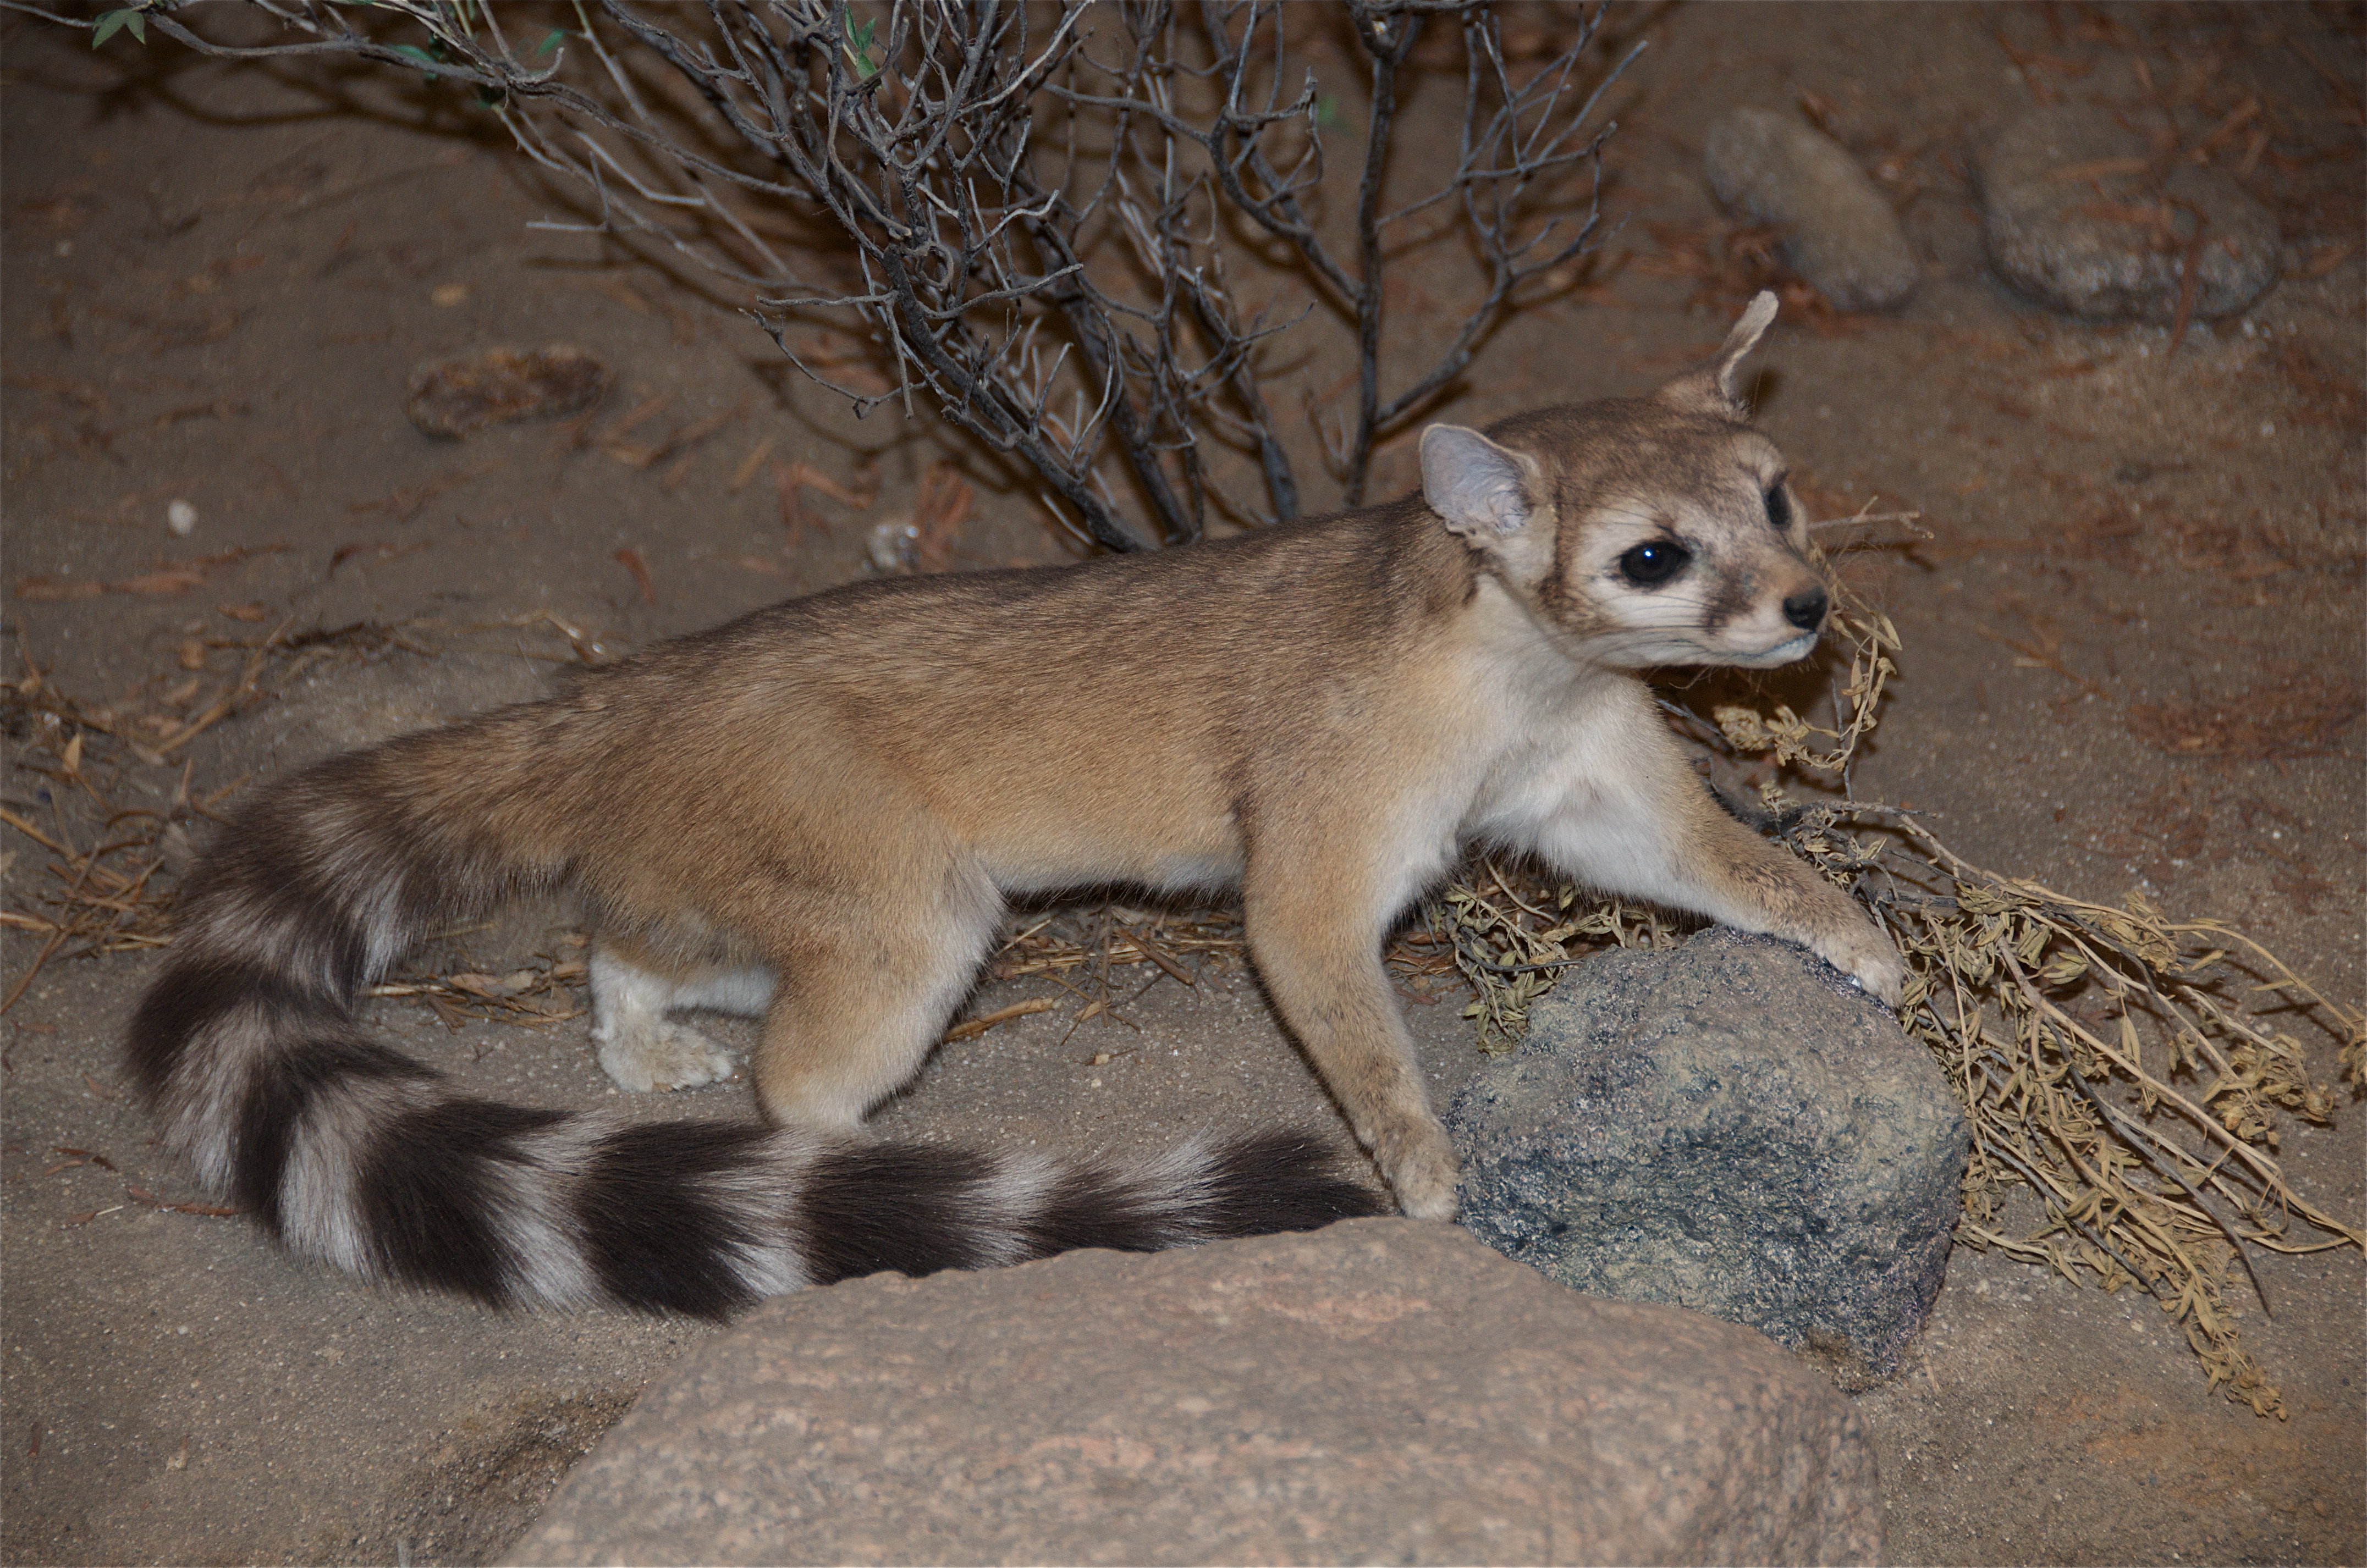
{"x":662,"y":1056}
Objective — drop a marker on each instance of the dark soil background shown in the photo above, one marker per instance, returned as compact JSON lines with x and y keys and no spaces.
{"x":2133,"y":660}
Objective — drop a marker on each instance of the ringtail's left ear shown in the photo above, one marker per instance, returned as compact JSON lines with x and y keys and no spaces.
{"x":1714,"y":389}
{"x":1482,"y":491}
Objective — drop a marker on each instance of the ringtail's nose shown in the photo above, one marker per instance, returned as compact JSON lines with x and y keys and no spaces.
{"x":1807,"y":611}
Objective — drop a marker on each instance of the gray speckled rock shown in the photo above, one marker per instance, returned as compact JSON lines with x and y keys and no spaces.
{"x":2067,"y":195}
{"x":1385,"y":1390}
{"x":1839,"y":232}
{"x":1730,"y":1127}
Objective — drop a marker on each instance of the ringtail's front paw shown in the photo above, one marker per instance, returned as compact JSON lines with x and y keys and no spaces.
{"x":1869,"y":958}
{"x":1421,"y":1169}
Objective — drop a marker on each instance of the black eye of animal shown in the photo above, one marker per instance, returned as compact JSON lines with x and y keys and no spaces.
{"x":1651,"y":565}
{"x":1778,"y":509}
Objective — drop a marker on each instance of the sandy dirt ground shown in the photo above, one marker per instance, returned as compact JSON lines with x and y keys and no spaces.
{"x":218,"y":279}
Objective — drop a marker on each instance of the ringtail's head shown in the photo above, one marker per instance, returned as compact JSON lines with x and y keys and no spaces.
{"x":1642,"y":531}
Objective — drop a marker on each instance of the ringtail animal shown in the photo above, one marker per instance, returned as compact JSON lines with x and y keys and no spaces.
{"x":818,"y":813}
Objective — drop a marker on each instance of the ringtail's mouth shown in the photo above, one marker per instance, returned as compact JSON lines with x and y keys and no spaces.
{"x":1789,"y":652}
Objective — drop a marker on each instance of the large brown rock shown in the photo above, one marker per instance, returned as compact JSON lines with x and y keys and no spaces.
{"x":1384,"y":1391}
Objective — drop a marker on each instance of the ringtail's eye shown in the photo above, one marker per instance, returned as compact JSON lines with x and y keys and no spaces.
{"x":1778,"y":509}
{"x":1651,"y":565}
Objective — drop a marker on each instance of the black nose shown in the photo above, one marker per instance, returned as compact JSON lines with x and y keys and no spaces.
{"x":1805,"y":611}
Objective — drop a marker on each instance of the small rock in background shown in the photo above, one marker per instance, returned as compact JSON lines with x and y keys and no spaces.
{"x":893,"y":548}
{"x":1730,"y":1127}
{"x":456,"y":396}
{"x":2077,"y":217}
{"x":1840,"y":234}
{"x":1384,"y":1391}
{"x":181,"y":517}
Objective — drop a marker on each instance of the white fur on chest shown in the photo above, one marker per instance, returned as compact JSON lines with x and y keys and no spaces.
{"x":1581,"y":765}
{"x":1577,"y":758}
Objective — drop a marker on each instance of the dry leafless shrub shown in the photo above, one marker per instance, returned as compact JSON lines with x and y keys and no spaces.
{"x":1041,"y":213}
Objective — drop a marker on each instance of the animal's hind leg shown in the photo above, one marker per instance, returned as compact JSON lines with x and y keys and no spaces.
{"x":632,"y":991}
{"x":864,"y":997}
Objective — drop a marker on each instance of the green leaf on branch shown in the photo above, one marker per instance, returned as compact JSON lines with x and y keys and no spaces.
{"x":110,"y":22}
{"x":858,"y":47}
{"x":413,"y":52}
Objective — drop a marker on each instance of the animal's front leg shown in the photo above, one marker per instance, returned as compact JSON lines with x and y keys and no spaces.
{"x":1755,"y":885}
{"x":1315,"y":930}
{"x":1654,"y":832}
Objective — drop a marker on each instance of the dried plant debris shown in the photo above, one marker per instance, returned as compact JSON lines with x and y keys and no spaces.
{"x":1728,"y":264}
{"x":2321,"y":396}
{"x":109,"y":869}
{"x":1079,"y":948}
{"x":1058,"y":283}
{"x":1871,"y":639}
{"x":98,"y":890}
{"x":548,"y":990}
{"x":163,"y":581}
{"x":2126,"y":1068}
{"x":2303,"y":714}
{"x":923,"y":541}
{"x":455,"y":398}
{"x":1509,"y":933}
{"x":2127,"y":1076}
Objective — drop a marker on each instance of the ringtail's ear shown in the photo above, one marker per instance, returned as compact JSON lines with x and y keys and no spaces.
{"x":1484,"y":492}
{"x":1713,"y":388}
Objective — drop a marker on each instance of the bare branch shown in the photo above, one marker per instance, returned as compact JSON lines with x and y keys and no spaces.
{"x":1039,"y":229}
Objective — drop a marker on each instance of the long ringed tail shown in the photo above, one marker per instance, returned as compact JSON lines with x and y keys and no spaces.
{"x":248,"y":1048}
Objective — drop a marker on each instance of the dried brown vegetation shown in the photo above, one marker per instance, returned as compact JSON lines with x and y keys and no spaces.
{"x":2298,"y":713}
{"x":1728,"y":264}
{"x":2127,"y":1074}
{"x":108,"y":870}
